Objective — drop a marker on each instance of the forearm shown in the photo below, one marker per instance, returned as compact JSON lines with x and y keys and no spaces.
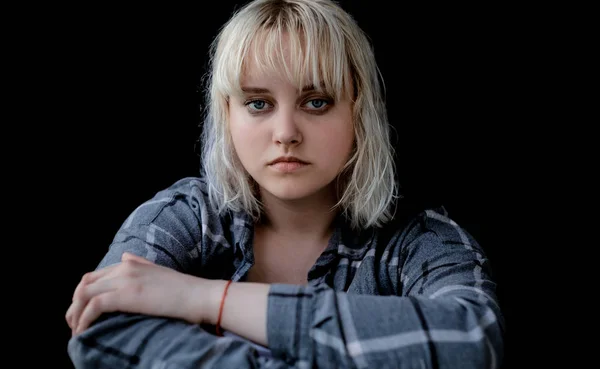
{"x":338,"y":329}
{"x":123,"y":340}
{"x":244,"y":309}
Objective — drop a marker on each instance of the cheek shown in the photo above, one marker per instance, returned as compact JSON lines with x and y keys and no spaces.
{"x":245,"y":138}
{"x":339,"y":139}
{"x":237,"y":128}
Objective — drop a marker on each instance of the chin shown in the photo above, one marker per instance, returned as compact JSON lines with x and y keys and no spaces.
{"x":289,"y":193}
{"x":292,"y":189}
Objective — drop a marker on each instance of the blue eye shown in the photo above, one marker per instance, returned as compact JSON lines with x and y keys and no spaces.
{"x":256,"y":104}
{"x":318,"y":103}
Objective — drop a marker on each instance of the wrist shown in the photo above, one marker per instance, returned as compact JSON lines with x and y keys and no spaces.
{"x":204,"y":300}
{"x":213,"y":302}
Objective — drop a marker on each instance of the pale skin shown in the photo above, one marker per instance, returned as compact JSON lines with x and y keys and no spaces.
{"x":270,"y":120}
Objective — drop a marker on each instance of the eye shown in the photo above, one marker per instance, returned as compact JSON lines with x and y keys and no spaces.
{"x":317,"y":103}
{"x":256,"y":105}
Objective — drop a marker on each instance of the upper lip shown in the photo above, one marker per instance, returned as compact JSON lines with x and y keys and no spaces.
{"x":288,"y":159}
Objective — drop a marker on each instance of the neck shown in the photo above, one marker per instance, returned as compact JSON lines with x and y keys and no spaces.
{"x":310,"y":216}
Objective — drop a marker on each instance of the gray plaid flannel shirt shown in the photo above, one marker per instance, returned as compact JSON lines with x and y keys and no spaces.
{"x":417,"y":293}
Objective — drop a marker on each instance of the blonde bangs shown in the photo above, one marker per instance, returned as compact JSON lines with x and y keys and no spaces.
{"x":292,"y":43}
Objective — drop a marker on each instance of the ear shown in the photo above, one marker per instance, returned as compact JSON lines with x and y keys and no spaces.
{"x":129,"y":256}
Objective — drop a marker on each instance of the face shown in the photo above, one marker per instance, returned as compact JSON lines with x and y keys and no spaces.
{"x":310,"y":133}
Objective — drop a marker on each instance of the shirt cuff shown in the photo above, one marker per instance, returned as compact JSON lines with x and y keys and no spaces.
{"x":289,"y":316}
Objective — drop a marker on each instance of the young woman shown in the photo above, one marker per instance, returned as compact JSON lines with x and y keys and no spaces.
{"x":289,"y":250}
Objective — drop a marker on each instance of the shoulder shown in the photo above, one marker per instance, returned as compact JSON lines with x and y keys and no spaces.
{"x":185,"y":199}
{"x":178,"y":223}
{"x":434,"y":224}
{"x":192,"y":188}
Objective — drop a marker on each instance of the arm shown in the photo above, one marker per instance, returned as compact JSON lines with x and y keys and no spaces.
{"x":167,"y":231}
{"x":446,"y":316}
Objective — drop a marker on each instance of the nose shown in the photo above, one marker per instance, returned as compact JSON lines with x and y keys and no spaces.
{"x":286,"y":131}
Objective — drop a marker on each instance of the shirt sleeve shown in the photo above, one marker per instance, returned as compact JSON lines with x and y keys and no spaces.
{"x":166,"y":230}
{"x":445,"y":315}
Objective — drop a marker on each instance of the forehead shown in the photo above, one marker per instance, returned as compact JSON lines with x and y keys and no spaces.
{"x":274,"y":57}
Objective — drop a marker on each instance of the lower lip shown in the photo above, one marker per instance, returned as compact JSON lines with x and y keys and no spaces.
{"x":288,"y":166}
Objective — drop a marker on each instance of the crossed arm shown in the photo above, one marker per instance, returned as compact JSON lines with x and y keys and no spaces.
{"x":137,"y":285}
{"x":158,"y":315}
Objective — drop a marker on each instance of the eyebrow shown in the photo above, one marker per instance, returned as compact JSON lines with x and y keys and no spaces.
{"x":260,"y":90}
{"x":255,"y":90}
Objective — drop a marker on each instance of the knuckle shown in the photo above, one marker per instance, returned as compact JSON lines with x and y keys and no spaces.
{"x":96,"y":302}
{"x":128,"y":268}
{"x":87,"y":277}
{"x":79,"y":293}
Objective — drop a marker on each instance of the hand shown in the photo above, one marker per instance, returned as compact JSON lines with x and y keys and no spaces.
{"x":137,"y":285}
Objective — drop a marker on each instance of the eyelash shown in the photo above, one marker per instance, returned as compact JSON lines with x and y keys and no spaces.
{"x":328,"y":103}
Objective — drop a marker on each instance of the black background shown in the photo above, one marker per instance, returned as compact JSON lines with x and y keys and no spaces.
{"x":119,"y":93}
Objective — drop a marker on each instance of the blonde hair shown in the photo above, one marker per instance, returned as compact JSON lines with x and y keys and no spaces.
{"x":335,"y":53}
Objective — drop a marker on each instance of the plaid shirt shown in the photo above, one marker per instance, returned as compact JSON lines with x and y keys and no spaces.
{"x":416,"y":293}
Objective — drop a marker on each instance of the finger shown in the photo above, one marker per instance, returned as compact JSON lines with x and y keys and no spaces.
{"x":85,"y":294}
{"x":72,"y":315}
{"x":91,"y":277}
{"x":129,"y":256}
{"x":75,"y":308}
{"x":97,"y":305}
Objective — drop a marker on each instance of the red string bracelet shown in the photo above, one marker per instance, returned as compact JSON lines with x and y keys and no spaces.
{"x":218,"y":326}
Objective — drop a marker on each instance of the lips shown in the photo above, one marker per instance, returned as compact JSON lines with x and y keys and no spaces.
{"x":287,"y":159}
{"x":288,"y":164}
